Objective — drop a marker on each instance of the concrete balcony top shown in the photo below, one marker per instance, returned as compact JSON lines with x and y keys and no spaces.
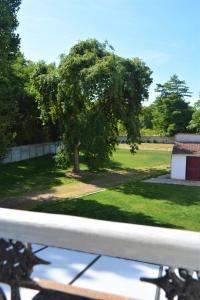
{"x":97,"y":255}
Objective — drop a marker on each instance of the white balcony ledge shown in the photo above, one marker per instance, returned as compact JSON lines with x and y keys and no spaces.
{"x":159,"y":246}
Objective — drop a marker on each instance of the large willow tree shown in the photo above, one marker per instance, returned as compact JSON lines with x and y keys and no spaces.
{"x":89,"y":94}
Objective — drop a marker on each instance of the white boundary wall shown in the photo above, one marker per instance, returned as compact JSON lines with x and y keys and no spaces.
{"x":30,"y":151}
{"x":169,"y":247}
{"x":158,"y":139}
{"x":178,"y":166}
{"x":187,"y":138}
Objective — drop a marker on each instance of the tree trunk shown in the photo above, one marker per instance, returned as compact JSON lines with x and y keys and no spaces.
{"x":76,"y":168}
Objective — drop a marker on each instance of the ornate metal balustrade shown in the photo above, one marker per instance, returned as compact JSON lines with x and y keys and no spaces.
{"x":16,"y":265}
{"x":184,"y":286}
{"x":154,"y":245}
{"x":17,"y":261}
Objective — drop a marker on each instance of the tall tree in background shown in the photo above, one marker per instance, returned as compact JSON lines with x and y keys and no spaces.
{"x":146,"y":121}
{"x":9,"y":43}
{"x":171,"y":113}
{"x":44,"y":82}
{"x":146,"y":117}
{"x":29,"y":128}
{"x":194,"y":124}
{"x":90,"y":93}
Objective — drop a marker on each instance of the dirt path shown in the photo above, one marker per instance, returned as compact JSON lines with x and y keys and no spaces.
{"x":74,"y":190}
{"x":66,"y":191}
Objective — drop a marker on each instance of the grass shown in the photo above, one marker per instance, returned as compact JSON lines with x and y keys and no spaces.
{"x":171,"y":206}
{"x":41,"y":174}
{"x":150,"y":146}
{"x":142,"y":159}
{"x":137,"y":202}
{"x":32,"y":175}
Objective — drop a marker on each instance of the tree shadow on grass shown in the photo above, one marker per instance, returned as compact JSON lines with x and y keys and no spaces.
{"x":112,"y":177}
{"x":95,"y":210}
{"x":40,"y":176}
{"x":175,"y":194}
{"x":102,"y":177}
{"x":114,"y":171}
{"x":35,"y":174}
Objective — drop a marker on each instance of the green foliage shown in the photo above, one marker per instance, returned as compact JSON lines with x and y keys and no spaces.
{"x":9,"y":39}
{"x":45,"y":83}
{"x":90,"y":93}
{"x":87,"y":75}
{"x":197,"y":104}
{"x":136,"y":78}
{"x":171,"y":113}
{"x":100,"y":141}
{"x":29,"y":126}
{"x":146,"y":117}
{"x":8,"y":49}
{"x":149,"y":132}
{"x":175,"y":87}
{"x":121,"y":128}
{"x":194,"y":124}
{"x":19,"y":115}
{"x":62,"y":158}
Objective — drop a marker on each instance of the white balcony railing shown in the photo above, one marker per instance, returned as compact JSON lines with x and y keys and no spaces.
{"x":175,"y":248}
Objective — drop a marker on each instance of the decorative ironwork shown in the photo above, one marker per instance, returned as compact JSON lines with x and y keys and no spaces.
{"x":16,"y":265}
{"x":184,"y":286}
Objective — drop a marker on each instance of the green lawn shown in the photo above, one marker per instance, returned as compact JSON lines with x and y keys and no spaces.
{"x":32,"y":175}
{"x":137,"y":202}
{"x":171,"y":206}
{"x":122,"y":158}
{"x":41,"y":173}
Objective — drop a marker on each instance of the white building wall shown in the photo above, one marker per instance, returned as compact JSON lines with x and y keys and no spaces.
{"x":178,"y":166}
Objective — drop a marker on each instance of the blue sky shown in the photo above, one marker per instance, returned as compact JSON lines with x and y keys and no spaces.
{"x":164,"y":33}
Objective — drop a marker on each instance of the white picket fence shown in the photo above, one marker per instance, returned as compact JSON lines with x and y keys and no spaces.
{"x":30,"y":151}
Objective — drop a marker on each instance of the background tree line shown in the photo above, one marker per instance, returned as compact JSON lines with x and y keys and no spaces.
{"x":20,"y":121}
{"x":86,"y":101}
{"x":171,"y":113}
{"x":80,"y":101}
